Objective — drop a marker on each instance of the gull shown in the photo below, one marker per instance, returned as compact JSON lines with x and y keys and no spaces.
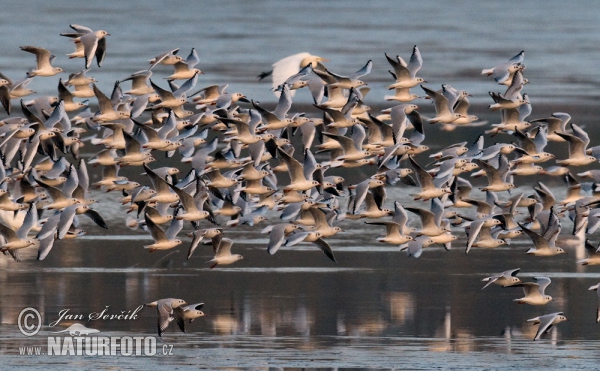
{"x":429,"y":188}
{"x":496,"y":177}
{"x":67,"y":98}
{"x":166,"y":58}
{"x":415,"y":247}
{"x":593,"y":255}
{"x":595,"y":288}
{"x":345,"y":82}
{"x":546,"y":322}
{"x":353,"y":148}
{"x":406,"y":74}
{"x":315,"y":238}
{"x":291,"y":65}
{"x":544,"y":245}
{"x":534,"y":292}
{"x":163,"y":191}
{"x":43,"y":59}
{"x":393,"y":235}
{"x":503,"y":72}
{"x":80,"y":79}
{"x":167,"y":310}
{"x":296,"y":172}
{"x":431,"y":221}
{"x":500,"y":102}
{"x":140,"y":83}
{"x":557,"y":123}
{"x":504,"y":279}
{"x":107,"y":111}
{"x":190,"y":312}
{"x":15,"y":239}
{"x":163,"y":240}
{"x":223,"y":255}
{"x":443,"y":112}
{"x":191,"y":205}
{"x":93,"y":43}
{"x":278,"y":234}
{"x":185,"y":69}
{"x":176,"y":98}
{"x":578,"y":142}
{"x":199,"y":234}
{"x":533,"y":144}
{"x":479,"y":229}
{"x":10,"y":90}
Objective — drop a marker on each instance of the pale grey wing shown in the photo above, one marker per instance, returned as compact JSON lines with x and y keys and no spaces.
{"x":360,"y":193}
{"x":71,"y":183}
{"x":165,"y":95}
{"x":346,"y":143}
{"x":276,"y":238}
{"x":90,"y":44}
{"x":473,"y":233}
{"x":57,"y":115}
{"x":310,"y":164}
{"x":543,"y":282}
{"x":188,"y":85}
{"x":515,"y":87}
{"x":581,"y":134}
{"x":546,"y":323}
{"x":295,"y":168}
{"x":103,"y":102}
{"x":320,"y":219}
{"x":552,"y":229}
{"x":538,"y":241}
{"x":437,"y":208}
{"x":324,"y":246}
{"x":216,"y":242}
{"x":174,"y":227}
{"x":427,"y":217}
{"x":296,"y":238}
{"x":400,"y":215}
{"x":31,"y":219}
{"x":82,"y":175}
{"x":541,"y":139}
{"x":224,"y":247}
{"x":530,"y":288}
{"x":363,"y":71}
{"x":165,"y":316}
{"x":518,"y":58}
{"x":576,"y":145}
{"x":45,"y":246}
{"x":66,"y":219}
{"x":284,"y":104}
{"x":49,"y":228}
{"x":526,"y":142}
{"x":491,"y":172}
{"x":500,"y":75}
{"x":512,"y":272}
{"x":400,"y":68}
{"x":198,"y":236}
{"x":160,"y":185}
{"x":8,"y":233}
{"x":490,"y":280}
{"x":398,"y":123}
{"x":187,"y":201}
{"x":425,"y":179}
{"x":159,"y":58}
{"x":158,"y":235}
{"x":415,"y":63}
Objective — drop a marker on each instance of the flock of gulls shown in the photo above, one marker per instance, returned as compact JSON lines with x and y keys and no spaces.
{"x":241,"y":162}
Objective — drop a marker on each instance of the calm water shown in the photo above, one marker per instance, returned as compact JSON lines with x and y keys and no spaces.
{"x":376,"y":308}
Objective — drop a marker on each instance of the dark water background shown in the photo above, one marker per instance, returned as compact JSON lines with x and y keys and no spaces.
{"x":376,"y":308}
